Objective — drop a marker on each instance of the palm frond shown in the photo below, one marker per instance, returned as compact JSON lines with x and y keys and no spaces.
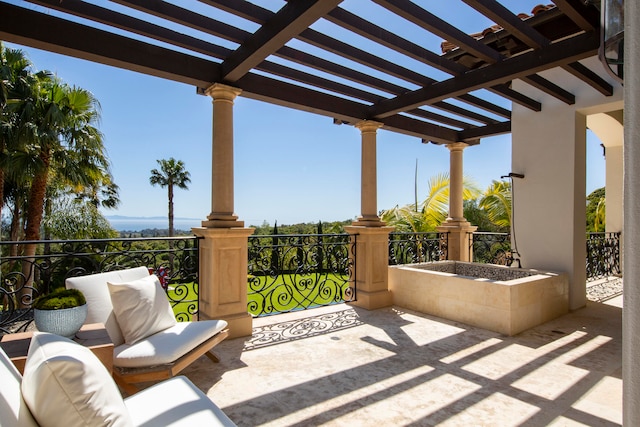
{"x":496,"y":202}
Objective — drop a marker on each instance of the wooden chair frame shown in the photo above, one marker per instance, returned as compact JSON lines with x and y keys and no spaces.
{"x":126,"y":378}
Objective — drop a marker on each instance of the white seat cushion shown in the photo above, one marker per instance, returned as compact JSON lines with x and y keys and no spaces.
{"x":166,"y":346}
{"x":141,"y":307}
{"x":175,"y":402}
{"x":13,"y":409}
{"x":94,"y":287}
{"x":64,"y":383}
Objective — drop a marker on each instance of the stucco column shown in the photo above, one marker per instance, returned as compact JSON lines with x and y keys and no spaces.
{"x":459,"y":230}
{"x":223,"y":277}
{"x":224,"y":244}
{"x":369,"y":185}
{"x":370,"y":254}
{"x":222,"y":211}
{"x":456,"y":180}
{"x":631,"y":269}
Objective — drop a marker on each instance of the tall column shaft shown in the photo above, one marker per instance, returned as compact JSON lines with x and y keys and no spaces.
{"x":456,"y":180}
{"x":631,"y":268}
{"x":222,"y":189}
{"x":459,"y":231}
{"x":369,"y":186}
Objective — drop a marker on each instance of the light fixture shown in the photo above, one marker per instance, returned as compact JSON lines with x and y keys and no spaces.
{"x":612,"y":41}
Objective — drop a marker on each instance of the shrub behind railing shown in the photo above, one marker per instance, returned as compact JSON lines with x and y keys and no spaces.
{"x":492,"y":248}
{"x":411,"y":248}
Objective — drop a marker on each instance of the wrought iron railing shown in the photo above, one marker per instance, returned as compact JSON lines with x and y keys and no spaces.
{"x":411,"y":248}
{"x":298,"y":271}
{"x":491,"y":248}
{"x":286,"y":272}
{"x":603,"y":255}
{"x":175,"y":260}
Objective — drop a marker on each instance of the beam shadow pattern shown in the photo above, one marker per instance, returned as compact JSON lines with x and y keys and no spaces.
{"x":403,"y":368}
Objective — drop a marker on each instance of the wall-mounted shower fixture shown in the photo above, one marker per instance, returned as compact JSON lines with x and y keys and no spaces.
{"x":512,"y":175}
{"x":515,"y":255}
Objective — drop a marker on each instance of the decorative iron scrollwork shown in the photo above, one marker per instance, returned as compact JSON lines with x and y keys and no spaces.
{"x":295,"y":272}
{"x":412,"y":248}
{"x":603,"y":255}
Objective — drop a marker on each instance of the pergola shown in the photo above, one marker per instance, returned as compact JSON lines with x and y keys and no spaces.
{"x":183,"y":43}
{"x":294,"y":56}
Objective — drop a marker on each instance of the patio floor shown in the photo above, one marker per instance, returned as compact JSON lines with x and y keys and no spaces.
{"x":344,"y":366}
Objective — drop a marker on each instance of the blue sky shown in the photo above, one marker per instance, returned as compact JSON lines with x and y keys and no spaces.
{"x":290,"y":166}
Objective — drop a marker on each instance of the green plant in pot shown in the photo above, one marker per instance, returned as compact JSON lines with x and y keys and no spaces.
{"x":61,"y":312}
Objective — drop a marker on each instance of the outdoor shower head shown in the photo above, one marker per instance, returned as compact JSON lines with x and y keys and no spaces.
{"x":512,"y":175}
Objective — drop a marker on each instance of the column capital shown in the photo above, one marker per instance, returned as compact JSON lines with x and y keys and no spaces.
{"x":219,"y":91}
{"x":367,"y":126}
{"x":457,"y":146}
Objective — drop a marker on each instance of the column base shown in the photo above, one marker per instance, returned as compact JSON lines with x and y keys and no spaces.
{"x":368,"y":222}
{"x":371,"y":266}
{"x":223,"y":277}
{"x":223,"y":223}
{"x":372,"y":300}
{"x":240,"y":325}
{"x":222,"y":220}
{"x":460,"y":235}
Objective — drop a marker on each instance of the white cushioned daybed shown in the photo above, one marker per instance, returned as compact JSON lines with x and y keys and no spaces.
{"x":65,"y":384}
{"x":149,"y":344}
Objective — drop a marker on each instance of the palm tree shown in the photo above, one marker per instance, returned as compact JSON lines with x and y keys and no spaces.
{"x":75,"y":219}
{"x":496,"y":202}
{"x":58,"y":142}
{"x":600,"y":215}
{"x":433,"y":211}
{"x":58,"y":125}
{"x":596,"y":215}
{"x":171,"y":173}
{"x":15,"y":82}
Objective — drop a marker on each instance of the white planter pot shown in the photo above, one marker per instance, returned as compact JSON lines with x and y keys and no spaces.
{"x":65,"y":322}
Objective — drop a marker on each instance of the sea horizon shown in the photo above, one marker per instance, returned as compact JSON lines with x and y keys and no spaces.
{"x":132,"y":223}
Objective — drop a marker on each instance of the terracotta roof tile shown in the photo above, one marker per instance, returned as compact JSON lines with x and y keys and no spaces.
{"x":447,"y":46}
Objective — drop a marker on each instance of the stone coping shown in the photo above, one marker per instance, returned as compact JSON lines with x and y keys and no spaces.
{"x":493,"y":272}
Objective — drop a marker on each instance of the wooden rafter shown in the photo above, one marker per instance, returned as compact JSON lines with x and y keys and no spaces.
{"x":288,"y":23}
{"x":557,"y":54}
{"x":192,"y":43}
{"x":514,"y":25}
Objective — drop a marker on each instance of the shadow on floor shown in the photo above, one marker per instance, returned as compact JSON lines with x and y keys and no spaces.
{"x":401,"y":368}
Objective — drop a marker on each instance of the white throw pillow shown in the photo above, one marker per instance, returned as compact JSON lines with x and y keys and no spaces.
{"x":141,"y":308}
{"x":65,"y":384}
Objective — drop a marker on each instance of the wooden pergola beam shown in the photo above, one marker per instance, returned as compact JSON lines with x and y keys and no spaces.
{"x":557,"y":54}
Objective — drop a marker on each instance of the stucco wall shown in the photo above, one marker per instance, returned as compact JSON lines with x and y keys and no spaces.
{"x":614,"y":216}
{"x":549,"y":148}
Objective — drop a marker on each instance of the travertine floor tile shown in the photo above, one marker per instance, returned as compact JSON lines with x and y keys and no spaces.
{"x":394,"y":367}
